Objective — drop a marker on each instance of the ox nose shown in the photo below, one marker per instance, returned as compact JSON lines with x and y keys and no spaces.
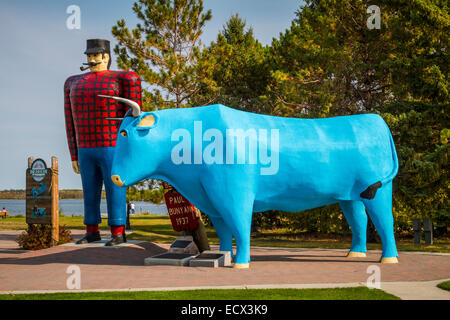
{"x":117,"y":181}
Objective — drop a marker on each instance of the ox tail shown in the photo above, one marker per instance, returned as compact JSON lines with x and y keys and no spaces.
{"x":394,"y":171}
{"x":370,"y":192}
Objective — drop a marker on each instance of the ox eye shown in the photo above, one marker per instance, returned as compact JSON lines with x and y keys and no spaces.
{"x":124,"y":133}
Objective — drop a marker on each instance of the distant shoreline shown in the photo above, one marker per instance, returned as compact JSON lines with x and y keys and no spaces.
{"x":20,"y":194}
{"x":75,"y":207}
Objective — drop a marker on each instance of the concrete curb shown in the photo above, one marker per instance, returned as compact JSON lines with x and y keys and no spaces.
{"x":267,"y":286}
{"x":411,"y":290}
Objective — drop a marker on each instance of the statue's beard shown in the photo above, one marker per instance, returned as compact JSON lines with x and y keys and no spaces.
{"x":89,"y":65}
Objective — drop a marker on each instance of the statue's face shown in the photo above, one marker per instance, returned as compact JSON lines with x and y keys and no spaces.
{"x":98,"y":57}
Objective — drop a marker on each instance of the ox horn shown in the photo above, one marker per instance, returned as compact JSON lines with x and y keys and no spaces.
{"x":131,"y":103}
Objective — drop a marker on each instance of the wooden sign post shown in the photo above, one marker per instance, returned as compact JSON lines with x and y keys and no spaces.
{"x":42,"y":195}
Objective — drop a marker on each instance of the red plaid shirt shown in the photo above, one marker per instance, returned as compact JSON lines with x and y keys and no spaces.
{"x":86,"y":113}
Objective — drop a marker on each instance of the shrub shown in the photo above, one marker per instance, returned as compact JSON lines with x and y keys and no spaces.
{"x":39,"y":237}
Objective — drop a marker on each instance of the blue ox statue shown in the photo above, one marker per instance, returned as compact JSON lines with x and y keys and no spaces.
{"x":228,"y":164}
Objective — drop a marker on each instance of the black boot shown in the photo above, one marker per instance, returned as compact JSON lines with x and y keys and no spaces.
{"x":90,"y":237}
{"x":116,"y":239}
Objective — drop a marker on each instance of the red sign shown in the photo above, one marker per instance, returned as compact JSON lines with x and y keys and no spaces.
{"x":183,"y":215}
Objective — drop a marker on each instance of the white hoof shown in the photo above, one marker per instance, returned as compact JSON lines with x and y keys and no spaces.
{"x":353,"y":254}
{"x":389,"y":260}
{"x":241,"y":265}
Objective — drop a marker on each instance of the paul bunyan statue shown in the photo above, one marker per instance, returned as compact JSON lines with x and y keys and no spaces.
{"x":92,"y":125}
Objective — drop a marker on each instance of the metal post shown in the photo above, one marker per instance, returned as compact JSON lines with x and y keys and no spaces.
{"x":371,"y":234}
{"x":428,"y":229}
{"x":128,"y":226}
{"x":417,"y":230}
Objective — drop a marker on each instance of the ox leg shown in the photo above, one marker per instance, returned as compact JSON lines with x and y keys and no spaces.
{"x":238,"y":219}
{"x":235,"y":207}
{"x":224,"y":233}
{"x":380,"y":212}
{"x":355,"y":214}
{"x":241,"y":234}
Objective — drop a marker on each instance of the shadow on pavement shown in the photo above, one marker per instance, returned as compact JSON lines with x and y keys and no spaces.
{"x":306,"y":258}
{"x":123,"y":256}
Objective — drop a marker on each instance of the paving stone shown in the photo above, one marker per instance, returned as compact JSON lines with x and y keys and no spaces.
{"x":212,"y":259}
{"x":169,"y":259}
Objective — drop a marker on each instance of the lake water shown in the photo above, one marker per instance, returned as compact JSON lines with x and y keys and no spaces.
{"x":76,"y":207}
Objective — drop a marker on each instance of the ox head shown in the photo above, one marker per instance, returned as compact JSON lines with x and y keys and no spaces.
{"x":139,"y":146}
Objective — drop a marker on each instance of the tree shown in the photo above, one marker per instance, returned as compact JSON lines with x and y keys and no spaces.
{"x":330,"y":63}
{"x":240,"y":73}
{"x":421,"y":187}
{"x":164,"y":50}
{"x":418,"y":62}
{"x":147,"y":190}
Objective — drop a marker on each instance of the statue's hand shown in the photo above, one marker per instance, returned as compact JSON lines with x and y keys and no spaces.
{"x":76,"y":167}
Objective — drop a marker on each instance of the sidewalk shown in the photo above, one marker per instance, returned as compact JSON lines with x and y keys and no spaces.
{"x":418,"y":290}
{"x":123,"y":268}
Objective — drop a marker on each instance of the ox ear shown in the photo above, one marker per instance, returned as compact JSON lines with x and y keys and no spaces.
{"x":146,"y":122}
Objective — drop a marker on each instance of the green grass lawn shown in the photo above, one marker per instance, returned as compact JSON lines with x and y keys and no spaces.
{"x":444,"y":285}
{"x":358,"y":293}
{"x":159,"y":229}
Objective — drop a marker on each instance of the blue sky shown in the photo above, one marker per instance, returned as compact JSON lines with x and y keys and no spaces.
{"x":39,"y":52}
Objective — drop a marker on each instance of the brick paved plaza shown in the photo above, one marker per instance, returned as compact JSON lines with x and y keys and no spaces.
{"x":123,"y":268}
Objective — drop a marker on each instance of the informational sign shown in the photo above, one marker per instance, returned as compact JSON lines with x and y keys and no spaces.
{"x":183,"y":215}
{"x":38,"y":170}
{"x":42,"y":194}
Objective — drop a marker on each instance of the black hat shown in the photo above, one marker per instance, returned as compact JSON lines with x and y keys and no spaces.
{"x":97,"y":46}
